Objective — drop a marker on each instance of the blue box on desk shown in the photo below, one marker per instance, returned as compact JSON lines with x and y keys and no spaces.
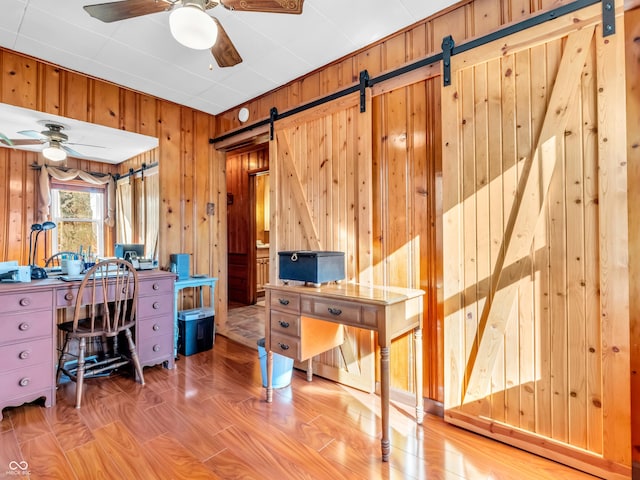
{"x":196,"y":330}
{"x":313,"y":266}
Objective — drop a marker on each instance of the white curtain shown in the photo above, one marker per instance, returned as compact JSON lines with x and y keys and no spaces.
{"x":66,"y":175}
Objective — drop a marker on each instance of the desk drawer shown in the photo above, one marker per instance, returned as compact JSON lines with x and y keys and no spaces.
{"x":154,"y":327}
{"x":343,"y":312}
{"x":285,"y":301}
{"x":25,"y":354}
{"x":285,"y":323}
{"x":155,"y":349}
{"x":286,"y":345}
{"x":25,"y":381}
{"x":27,"y":301}
{"x":66,"y":296}
{"x":24,"y":326}
{"x":156,"y":287}
{"x":149,"y":307}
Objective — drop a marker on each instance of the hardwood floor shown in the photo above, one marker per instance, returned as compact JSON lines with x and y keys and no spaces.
{"x":208,"y":419}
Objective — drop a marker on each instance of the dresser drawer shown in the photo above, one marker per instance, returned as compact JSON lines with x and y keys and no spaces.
{"x":25,"y":354}
{"x":24,"y":326}
{"x":285,"y":301}
{"x":155,"y":349}
{"x":154,"y":327}
{"x":24,"y":381}
{"x":28,"y":301}
{"x":149,"y":307}
{"x":285,"y":323}
{"x":156,"y":287}
{"x":344,"y":312}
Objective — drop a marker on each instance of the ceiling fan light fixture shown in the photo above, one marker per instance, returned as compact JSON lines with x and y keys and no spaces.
{"x":191,"y":26}
{"x":54,"y":152}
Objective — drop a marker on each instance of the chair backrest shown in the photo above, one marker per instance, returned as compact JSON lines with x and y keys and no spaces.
{"x":107,"y":297}
{"x":54,"y":260}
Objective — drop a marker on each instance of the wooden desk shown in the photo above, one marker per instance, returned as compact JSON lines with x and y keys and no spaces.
{"x":28,"y":333}
{"x":303,"y":321}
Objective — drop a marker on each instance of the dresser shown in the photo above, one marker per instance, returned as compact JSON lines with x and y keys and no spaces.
{"x":304,"y":321}
{"x":28,"y":332}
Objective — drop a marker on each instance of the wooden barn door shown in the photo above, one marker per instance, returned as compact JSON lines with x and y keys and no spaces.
{"x":535,"y":243}
{"x":320,"y":180}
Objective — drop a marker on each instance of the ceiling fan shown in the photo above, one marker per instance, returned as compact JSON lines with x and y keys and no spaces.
{"x":58,"y":142}
{"x":190,"y":24}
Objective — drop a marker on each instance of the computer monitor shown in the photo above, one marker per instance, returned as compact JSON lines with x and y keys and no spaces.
{"x":125,"y":250}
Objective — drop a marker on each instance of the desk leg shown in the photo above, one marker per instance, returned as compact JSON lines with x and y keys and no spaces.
{"x":384,"y":402}
{"x":175,"y":322}
{"x":269,"y":376}
{"x":417,"y":343}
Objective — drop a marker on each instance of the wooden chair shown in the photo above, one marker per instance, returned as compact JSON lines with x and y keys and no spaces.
{"x":105,"y":308}
{"x":54,"y":260}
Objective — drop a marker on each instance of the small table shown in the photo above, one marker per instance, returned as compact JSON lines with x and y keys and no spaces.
{"x":186,"y":283}
{"x":303,"y":321}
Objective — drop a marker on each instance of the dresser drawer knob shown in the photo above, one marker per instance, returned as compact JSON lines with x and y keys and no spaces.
{"x":284,"y":324}
{"x":156,"y":348}
{"x":68,"y":296}
{"x":156,"y":327}
{"x":156,"y":305}
{"x":25,"y":302}
{"x":24,"y":354}
{"x":24,"y":382}
{"x":24,"y":326}
{"x":283,"y":346}
{"x":156,"y":286}
{"x":334,"y":311}
{"x":283,"y":301}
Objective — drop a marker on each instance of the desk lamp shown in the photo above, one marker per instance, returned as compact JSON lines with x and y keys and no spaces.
{"x":38,"y":272}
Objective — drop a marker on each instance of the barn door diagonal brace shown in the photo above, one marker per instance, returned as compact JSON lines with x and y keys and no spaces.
{"x":608,"y":18}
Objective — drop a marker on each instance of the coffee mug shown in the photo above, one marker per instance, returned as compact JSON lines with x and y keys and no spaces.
{"x":75,"y":267}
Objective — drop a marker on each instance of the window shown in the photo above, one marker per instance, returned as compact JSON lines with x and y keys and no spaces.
{"x":78,"y":211}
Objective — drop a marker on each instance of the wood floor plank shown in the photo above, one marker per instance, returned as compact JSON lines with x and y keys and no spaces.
{"x":91,"y":461}
{"x":171,"y":460}
{"x":45,"y":458}
{"x":124,"y":451}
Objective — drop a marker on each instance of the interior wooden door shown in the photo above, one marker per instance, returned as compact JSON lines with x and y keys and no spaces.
{"x":321,"y":200}
{"x":535,"y":243}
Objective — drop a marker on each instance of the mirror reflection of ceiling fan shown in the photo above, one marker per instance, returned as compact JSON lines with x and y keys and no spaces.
{"x":57,"y":142}
{"x":189,"y":22}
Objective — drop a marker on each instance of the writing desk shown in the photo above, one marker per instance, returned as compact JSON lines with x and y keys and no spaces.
{"x":28,"y":333}
{"x":186,"y":283}
{"x":303,"y":321}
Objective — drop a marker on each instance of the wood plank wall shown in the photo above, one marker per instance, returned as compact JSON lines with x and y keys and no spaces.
{"x":191,"y":172}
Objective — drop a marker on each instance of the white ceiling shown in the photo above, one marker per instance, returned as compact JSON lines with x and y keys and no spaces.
{"x":141,"y":54}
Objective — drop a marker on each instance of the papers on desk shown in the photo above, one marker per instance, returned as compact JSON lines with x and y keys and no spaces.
{"x":75,"y":278}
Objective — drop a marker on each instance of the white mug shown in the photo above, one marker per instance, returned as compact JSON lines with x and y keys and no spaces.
{"x":75,"y":267}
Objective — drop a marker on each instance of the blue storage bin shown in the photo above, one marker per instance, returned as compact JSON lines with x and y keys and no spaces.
{"x":282,"y":367}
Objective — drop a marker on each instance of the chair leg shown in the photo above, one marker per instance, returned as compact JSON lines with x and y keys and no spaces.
{"x":80,"y":372}
{"x":134,"y":356}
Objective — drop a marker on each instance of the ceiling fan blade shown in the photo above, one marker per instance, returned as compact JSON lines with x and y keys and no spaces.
{"x":19,"y":142}
{"x":71,"y":151}
{"x":271,"y":6}
{"x":6,"y":140}
{"x":84,"y":145}
{"x":32,"y":134}
{"x":115,"y":11}
{"x":223,"y":50}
